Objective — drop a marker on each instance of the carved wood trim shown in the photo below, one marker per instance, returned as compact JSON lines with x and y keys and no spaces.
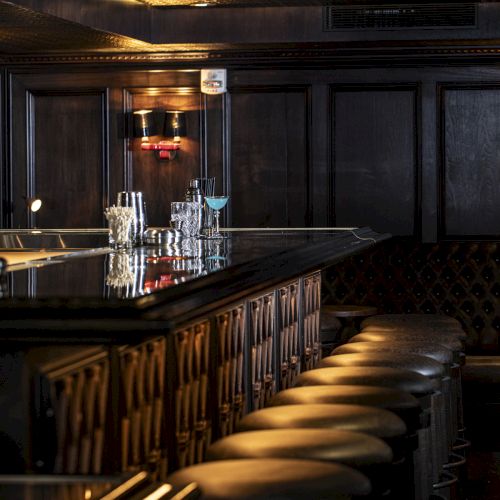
{"x":142,"y":418}
{"x":311,"y":54}
{"x":72,"y":416}
{"x":191,"y":396}
{"x":311,"y":305}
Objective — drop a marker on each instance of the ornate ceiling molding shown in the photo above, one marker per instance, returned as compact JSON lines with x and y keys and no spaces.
{"x":305,"y":55}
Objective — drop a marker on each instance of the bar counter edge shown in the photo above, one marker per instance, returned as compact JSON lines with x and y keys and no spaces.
{"x":105,"y":320}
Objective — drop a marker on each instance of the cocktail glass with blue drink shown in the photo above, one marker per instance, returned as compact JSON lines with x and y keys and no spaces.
{"x":216,"y":203}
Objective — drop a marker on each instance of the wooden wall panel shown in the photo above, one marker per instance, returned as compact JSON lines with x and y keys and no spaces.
{"x":375,"y":158}
{"x":470,"y":173}
{"x":69,"y":143}
{"x":292,"y":147}
{"x":269,"y":157}
{"x":68,"y":168}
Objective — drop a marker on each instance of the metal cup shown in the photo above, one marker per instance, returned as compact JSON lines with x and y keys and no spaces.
{"x":135,"y":200}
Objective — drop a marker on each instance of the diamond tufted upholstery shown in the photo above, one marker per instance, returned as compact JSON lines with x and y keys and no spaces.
{"x":458,"y":278}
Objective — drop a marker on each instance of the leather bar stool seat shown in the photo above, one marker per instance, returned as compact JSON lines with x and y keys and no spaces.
{"x":411,"y":382}
{"x":415,"y":363}
{"x":403,"y":404}
{"x":365,"y":419}
{"x":273,"y":478}
{"x":430,"y":330}
{"x":374,"y":421}
{"x":414,"y":318}
{"x":431,"y":350}
{"x":445,"y":340}
{"x":420,"y":386}
{"x":423,"y":348}
{"x":366,"y":453}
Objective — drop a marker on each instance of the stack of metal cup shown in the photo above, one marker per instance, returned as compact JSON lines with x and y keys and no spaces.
{"x":135,"y":200}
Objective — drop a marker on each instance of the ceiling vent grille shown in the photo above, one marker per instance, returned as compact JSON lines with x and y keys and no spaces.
{"x":394,"y":17}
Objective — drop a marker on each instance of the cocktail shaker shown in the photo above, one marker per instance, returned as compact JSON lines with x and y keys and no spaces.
{"x":135,"y":200}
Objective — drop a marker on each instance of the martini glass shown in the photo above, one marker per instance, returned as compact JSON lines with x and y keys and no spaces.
{"x":216,"y":203}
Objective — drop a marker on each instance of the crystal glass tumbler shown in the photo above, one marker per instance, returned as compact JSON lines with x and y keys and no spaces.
{"x":186,"y":216}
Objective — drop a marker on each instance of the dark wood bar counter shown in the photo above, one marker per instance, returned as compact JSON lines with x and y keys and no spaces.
{"x":167,"y":284}
{"x":116,"y":362}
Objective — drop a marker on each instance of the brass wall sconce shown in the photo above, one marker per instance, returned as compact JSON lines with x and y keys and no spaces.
{"x":174,"y":127}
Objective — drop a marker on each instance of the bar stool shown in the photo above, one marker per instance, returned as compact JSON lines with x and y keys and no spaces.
{"x":431,"y":350}
{"x":414,"y":318}
{"x":365,"y":419}
{"x":421,"y":387}
{"x":273,"y":478}
{"x":430,"y":330}
{"x":403,"y":404}
{"x":419,"y":364}
{"x":366,"y":453}
{"x":446,"y":340}
{"x":349,"y":315}
{"x":329,"y":332}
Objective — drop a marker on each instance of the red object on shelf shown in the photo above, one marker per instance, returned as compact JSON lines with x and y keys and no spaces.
{"x":160,"y":146}
{"x":164,"y":150}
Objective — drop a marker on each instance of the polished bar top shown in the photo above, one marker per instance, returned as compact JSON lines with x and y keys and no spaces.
{"x":163,"y":282}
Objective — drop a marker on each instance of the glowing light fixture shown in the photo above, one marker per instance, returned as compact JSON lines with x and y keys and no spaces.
{"x":34,"y":204}
{"x":174,"y":128}
{"x":175,"y":125}
{"x":144,"y":125}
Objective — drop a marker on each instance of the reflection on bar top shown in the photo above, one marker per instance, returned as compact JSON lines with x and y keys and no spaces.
{"x":105,"y":230}
{"x":101,"y":273}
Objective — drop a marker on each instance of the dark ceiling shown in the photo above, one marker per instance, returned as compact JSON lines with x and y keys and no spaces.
{"x":90,"y":26}
{"x":23,"y":30}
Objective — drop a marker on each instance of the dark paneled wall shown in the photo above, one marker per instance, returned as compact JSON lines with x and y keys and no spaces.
{"x":470,"y":157}
{"x":411,"y":151}
{"x":66,"y":130}
{"x":375,"y":155}
{"x":269,"y":156}
{"x":71,"y":144}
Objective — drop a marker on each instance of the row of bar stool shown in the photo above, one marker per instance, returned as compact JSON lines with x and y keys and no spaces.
{"x":429,"y":330}
{"x":377,"y":419}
